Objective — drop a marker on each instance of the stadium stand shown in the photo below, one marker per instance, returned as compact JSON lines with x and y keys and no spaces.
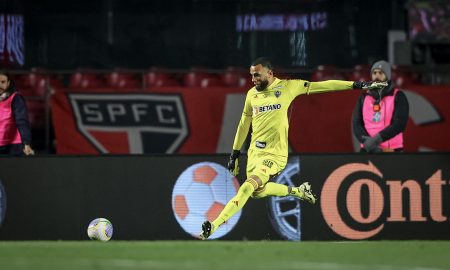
{"x":123,"y":80}
{"x":326,"y":72}
{"x":359,"y":73}
{"x":236,"y":77}
{"x":85,"y":80}
{"x":157,"y":77}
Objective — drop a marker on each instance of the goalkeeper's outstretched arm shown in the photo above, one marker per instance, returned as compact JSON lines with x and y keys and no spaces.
{"x":337,"y":85}
{"x":329,"y":86}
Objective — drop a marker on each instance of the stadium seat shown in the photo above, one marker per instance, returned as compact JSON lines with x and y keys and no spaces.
{"x":211,"y":81}
{"x":81,"y":80}
{"x":123,"y":80}
{"x":403,"y":77}
{"x":360,"y":73}
{"x":159,"y":78}
{"x":31,"y":84}
{"x":56,"y":81}
{"x":194,"y":78}
{"x":236,"y":77}
{"x":326,"y":72}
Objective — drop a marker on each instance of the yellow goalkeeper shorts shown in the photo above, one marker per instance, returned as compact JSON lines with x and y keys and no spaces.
{"x":264,"y":165}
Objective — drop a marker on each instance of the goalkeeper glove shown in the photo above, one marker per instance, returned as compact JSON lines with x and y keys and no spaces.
{"x":233,"y":163}
{"x":369,"y":85}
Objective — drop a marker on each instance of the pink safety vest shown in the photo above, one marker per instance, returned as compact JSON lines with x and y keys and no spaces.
{"x":9,"y":134}
{"x":374,"y":123}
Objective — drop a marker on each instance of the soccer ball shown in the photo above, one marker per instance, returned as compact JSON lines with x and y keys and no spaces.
{"x":100,"y":229}
{"x":200,"y":193}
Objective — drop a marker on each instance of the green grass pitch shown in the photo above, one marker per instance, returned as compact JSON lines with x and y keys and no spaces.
{"x":226,"y":255}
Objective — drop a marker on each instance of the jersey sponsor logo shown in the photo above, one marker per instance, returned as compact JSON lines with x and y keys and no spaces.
{"x":266,"y":108}
{"x":260,"y":145}
{"x":138,"y":123}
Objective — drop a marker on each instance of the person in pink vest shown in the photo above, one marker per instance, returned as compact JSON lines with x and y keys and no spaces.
{"x":381,"y":115}
{"x":15,"y":134}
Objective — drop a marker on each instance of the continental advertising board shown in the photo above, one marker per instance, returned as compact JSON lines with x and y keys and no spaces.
{"x":378,"y":197}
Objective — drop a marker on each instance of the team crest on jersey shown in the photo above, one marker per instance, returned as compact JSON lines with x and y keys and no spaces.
{"x":278,"y":93}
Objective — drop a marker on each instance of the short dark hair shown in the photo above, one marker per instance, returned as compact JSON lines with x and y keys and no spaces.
{"x":263,"y":61}
{"x":4,"y":73}
{"x":12,"y":85}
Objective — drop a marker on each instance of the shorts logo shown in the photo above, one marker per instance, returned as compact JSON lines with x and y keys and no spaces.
{"x":260,"y":145}
{"x":267,"y":163}
{"x":127,"y":123}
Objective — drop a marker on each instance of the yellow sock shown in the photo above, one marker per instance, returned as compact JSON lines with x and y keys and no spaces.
{"x":235,"y":204}
{"x":272,"y":189}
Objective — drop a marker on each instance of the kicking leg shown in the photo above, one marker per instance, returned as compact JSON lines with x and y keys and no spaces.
{"x":232,"y":207}
{"x":302,"y":192}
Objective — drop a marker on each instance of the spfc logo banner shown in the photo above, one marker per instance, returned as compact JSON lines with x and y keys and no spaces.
{"x":203,"y":120}
{"x":130,"y":123}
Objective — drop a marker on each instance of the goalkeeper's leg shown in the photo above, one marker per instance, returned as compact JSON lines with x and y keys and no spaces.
{"x":232,"y":207}
{"x":302,"y":192}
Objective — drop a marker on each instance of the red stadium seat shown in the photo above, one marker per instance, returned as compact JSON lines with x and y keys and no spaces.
{"x":211,"y":81}
{"x":401,"y":76}
{"x":56,"y":81}
{"x":326,"y":72}
{"x":237,"y":77}
{"x":402,"y":79}
{"x":195,"y":78}
{"x":123,"y":81}
{"x":160,"y":78}
{"x":360,"y":73}
{"x":32,"y":84}
{"x":80,"y":80}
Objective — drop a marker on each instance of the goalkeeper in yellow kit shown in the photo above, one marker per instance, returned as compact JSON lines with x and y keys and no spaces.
{"x":265,"y":110}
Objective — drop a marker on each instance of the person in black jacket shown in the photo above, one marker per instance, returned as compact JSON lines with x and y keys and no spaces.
{"x":381,"y":115}
{"x":15,"y":133}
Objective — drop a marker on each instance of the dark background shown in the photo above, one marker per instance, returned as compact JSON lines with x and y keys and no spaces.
{"x":181,"y":34}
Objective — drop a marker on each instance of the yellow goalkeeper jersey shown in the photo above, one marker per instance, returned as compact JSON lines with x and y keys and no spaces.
{"x":267,"y":113}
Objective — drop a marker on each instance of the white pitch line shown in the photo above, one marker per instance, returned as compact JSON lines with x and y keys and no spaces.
{"x":156,"y":264}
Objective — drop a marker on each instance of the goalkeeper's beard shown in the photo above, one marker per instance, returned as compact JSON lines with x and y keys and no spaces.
{"x":263,"y":85}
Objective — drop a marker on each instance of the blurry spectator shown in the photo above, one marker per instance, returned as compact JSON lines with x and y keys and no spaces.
{"x":15,"y":134}
{"x":380,"y":115}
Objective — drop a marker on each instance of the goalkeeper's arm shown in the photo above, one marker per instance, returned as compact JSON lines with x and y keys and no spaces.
{"x":337,"y":85}
{"x":242,"y":131}
{"x":241,"y":135}
{"x":328,"y":86}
